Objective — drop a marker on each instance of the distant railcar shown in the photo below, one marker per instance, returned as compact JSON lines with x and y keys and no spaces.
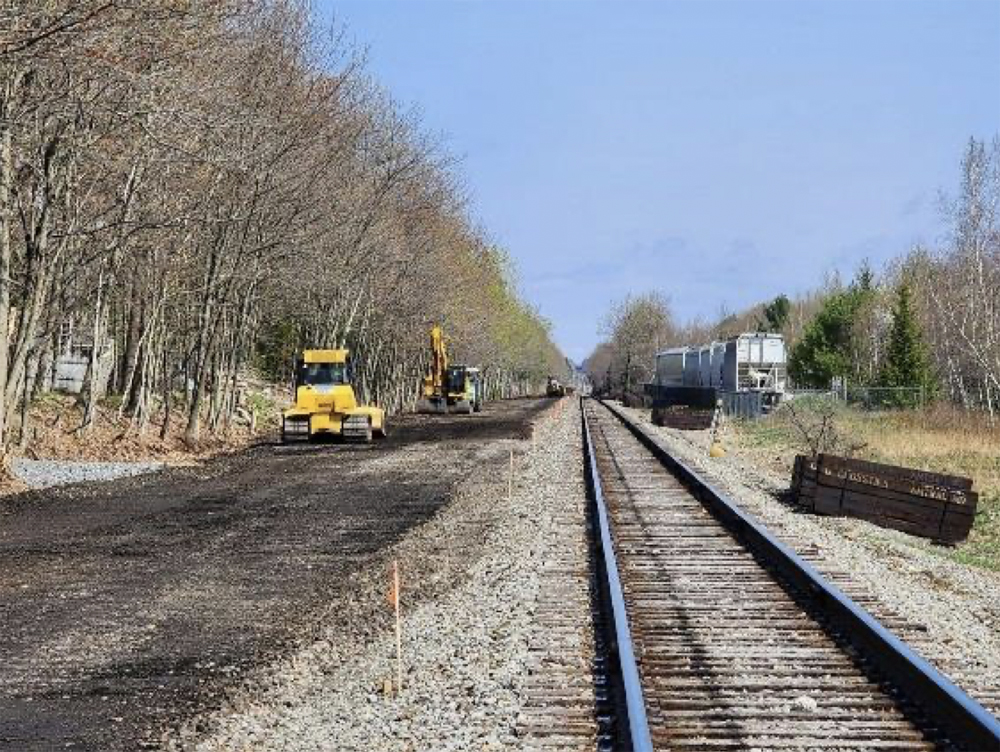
{"x":670,"y":366}
{"x":751,"y":362}
{"x":755,"y":361}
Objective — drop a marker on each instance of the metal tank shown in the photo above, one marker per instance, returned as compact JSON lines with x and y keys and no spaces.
{"x":670,"y":366}
{"x":692,"y":367}
{"x":755,"y":361}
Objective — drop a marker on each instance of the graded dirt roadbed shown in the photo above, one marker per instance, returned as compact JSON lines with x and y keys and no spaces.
{"x":126,"y":606}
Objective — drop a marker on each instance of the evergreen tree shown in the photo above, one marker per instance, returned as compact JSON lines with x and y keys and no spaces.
{"x":828,"y":347}
{"x":775,"y":314}
{"x":907,"y":363}
{"x":864,"y":279}
{"x":823,"y":353}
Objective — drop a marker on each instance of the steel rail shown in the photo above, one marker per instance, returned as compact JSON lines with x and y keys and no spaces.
{"x":639,"y":739}
{"x":961,"y":718}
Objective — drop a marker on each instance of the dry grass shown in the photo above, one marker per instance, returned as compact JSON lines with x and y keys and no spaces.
{"x":55,"y":420}
{"x":941,"y":439}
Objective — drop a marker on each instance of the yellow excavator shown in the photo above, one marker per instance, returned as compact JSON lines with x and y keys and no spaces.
{"x":449,"y":388}
{"x":325,"y":404}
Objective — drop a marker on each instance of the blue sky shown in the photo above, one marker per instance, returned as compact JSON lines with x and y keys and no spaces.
{"x":720,"y":152}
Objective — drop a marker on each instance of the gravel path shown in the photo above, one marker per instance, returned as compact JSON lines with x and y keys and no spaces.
{"x":477,"y":574}
{"x":130,"y":606}
{"x":47,"y":473}
{"x":948,"y":611}
{"x":558,"y":714}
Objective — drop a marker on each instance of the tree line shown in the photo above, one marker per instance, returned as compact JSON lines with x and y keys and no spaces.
{"x":189,"y":190}
{"x":929,"y":322}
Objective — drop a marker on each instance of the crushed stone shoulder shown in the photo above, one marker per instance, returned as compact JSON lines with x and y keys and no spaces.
{"x":481,"y":581}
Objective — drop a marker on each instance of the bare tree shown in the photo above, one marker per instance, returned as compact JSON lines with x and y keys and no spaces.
{"x":194,"y":191}
{"x":636,"y":329}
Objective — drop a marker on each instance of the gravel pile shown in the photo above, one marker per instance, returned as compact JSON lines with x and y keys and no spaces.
{"x":473,"y":581}
{"x":948,"y":611}
{"x":46,"y":473}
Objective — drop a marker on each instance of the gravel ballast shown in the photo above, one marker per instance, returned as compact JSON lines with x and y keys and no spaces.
{"x":48,"y":473}
{"x":476,"y":582}
{"x":949,"y":612}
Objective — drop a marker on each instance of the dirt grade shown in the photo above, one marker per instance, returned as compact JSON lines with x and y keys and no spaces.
{"x":129,"y":605}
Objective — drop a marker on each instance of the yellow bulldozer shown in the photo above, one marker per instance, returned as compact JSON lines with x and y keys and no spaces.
{"x":325,"y":404}
{"x":449,"y":388}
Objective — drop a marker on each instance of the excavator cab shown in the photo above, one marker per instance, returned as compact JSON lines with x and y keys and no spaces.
{"x":465,"y":389}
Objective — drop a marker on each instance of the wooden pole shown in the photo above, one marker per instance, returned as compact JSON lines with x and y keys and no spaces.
{"x":510,"y":478}
{"x":399,"y":629}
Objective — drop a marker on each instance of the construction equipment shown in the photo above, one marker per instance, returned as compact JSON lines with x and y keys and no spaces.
{"x":325,"y":404}
{"x":449,"y":387}
{"x":465,"y":389}
{"x":554,"y":388}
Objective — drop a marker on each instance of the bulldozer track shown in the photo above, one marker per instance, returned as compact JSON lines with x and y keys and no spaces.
{"x":725,"y":639}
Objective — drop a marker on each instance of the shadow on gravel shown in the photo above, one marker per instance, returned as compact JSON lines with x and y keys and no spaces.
{"x":786,"y":497}
{"x":496,"y":421}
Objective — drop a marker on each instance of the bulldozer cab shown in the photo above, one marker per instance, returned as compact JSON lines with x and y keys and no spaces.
{"x":321,"y":374}
{"x":322,"y":369}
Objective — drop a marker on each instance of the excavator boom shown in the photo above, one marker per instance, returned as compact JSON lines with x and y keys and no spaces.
{"x":448,"y":387}
{"x":434,"y":384}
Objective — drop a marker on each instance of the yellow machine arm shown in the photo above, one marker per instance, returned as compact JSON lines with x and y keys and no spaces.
{"x":434,"y":383}
{"x":449,"y":387}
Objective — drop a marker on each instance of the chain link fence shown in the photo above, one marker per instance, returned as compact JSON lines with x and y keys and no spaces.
{"x":867,"y":397}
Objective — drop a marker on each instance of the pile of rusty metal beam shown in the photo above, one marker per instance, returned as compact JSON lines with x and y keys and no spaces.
{"x":930,"y":505}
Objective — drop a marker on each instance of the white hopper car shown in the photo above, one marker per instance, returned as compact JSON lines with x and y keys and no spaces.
{"x":754,"y":361}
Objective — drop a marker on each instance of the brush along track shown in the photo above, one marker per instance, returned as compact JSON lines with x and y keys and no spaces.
{"x":727,"y":657}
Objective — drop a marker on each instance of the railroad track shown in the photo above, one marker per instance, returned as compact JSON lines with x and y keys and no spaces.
{"x":727,"y":640}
